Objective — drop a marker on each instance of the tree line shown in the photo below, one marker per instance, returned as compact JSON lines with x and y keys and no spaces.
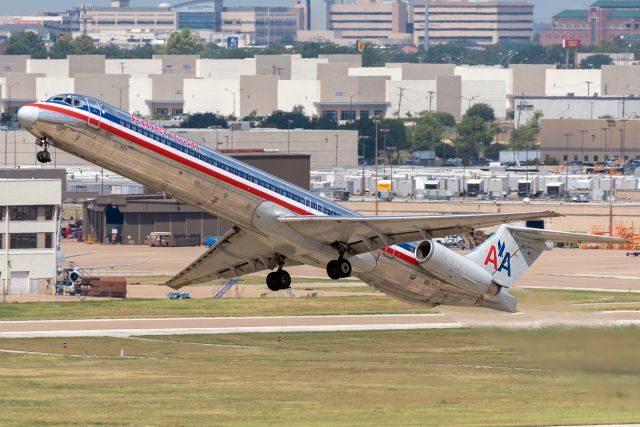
{"x":186,"y":42}
{"x":474,"y":137}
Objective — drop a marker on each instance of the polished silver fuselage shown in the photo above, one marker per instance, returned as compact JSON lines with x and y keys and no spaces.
{"x":387,"y":271}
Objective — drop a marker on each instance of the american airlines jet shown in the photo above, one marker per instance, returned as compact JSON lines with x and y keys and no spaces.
{"x":278,"y":224}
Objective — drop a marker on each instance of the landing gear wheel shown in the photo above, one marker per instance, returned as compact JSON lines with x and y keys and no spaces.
{"x":271,"y":283}
{"x":344,"y":267}
{"x":332,"y":270}
{"x":338,"y":269}
{"x":43,"y":156}
{"x":278,"y":280}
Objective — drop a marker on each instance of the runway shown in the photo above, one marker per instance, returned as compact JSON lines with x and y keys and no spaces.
{"x":281,"y":324}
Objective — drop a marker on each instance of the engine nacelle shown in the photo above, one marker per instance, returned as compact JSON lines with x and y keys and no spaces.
{"x":454,"y":268}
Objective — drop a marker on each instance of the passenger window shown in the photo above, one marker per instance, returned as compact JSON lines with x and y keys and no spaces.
{"x":67,"y":100}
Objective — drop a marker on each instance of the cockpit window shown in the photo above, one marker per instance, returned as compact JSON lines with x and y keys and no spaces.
{"x":78,"y":102}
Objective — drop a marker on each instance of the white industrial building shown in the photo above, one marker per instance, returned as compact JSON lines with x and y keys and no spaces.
{"x":29,"y":211}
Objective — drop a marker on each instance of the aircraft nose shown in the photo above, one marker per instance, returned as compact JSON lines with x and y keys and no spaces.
{"x":28,"y":115}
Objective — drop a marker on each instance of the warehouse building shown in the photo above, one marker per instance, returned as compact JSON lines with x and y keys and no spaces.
{"x":29,"y":210}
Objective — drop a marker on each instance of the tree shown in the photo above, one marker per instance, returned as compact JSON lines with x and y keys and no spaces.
{"x":473,"y":136}
{"x":444,"y":150}
{"x":83,"y":45}
{"x":483,"y":111}
{"x":492,"y":151}
{"x":62,"y":48}
{"x":445,"y":119}
{"x":525,"y":137}
{"x":596,"y":61}
{"x":287,"y":119}
{"x":427,"y":132}
{"x":204,"y":120}
{"x":26,"y":43}
{"x":184,"y":42}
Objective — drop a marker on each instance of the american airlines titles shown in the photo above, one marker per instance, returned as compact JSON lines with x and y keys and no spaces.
{"x":163,"y":132}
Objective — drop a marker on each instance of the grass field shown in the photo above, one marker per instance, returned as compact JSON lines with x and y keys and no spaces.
{"x":132,"y":308}
{"x":460,"y":377}
{"x":361,"y":304}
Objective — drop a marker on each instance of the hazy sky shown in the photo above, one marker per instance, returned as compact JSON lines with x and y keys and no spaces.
{"x":543,"y":11}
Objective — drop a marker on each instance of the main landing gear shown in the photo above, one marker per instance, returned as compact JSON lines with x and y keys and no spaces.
{"x":339,"y":268}
{"x":43,"y":156}
{"x":279,"y":279}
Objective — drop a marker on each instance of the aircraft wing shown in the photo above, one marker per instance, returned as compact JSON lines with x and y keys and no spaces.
{"x":364,"y":234}
{"x":236,"y":253}
{"x":536,"y":235}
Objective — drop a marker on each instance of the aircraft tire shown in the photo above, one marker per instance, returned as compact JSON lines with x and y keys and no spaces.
{"x":283,"y":279}
{"x":344,"y":268}
{"x":333,"y":270}
{"x":271,"y":282}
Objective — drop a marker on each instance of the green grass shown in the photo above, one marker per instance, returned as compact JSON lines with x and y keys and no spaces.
{"x":574,"y":297}
{"x":245,"y":280}
{"x":96,"y":309}
{"x":461,"y":377}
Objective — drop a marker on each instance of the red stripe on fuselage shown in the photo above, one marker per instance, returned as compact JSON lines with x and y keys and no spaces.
{"x":187,"y":162}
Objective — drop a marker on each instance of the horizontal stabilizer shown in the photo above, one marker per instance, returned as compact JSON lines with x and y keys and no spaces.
{"x":534,"y":234}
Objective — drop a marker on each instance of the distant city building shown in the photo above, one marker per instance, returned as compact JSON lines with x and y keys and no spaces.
{"x":605,"y":20}
{"x":199,"y":14}
{"x":487,"y":22}
{"x":264,"y":25}
{"x":370,"y":20}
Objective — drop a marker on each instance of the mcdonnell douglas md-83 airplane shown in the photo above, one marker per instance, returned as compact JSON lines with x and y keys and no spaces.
{"x":278,"y":224}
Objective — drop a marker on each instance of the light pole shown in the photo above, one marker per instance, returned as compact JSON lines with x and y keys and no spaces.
{"x":120,"y":89}
{"x":336,"y":150}
{"x":375,"y":167}
{"x":582,"y":132}
{"x":469,"y":99}
{"x":289,"y":122}
{"x":352,"y":113}
{"x":363,"y":138}
{"x":605,"y":130}
{"x":227,"y":138}
{"x":233,"y":93}
{"x":430,"y":98}
{"x":385,"y":131}
{"x":588,"y":87}
{"x":566,"y":171}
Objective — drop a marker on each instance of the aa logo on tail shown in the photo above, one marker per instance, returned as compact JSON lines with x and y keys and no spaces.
{"x":500,"y":255}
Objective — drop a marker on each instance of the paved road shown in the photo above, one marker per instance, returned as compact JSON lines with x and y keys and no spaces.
{"x":223,"y":325}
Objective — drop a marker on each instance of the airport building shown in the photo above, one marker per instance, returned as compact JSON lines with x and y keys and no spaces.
{"x":29,"y":210}
{"x":487,"y":22}
{"x":594,"y":141}
{"x":604,"y":21}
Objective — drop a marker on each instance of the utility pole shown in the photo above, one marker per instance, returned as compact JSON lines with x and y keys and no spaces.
{"x":289,"y":122}
{"x":588,"y":87}
{"x":401,"y":89}
{"x":122,"y":68}
{"x":336,"y":150}
{"x":430,"y":98}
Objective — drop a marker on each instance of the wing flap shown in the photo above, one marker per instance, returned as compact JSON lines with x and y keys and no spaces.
{"x":364,"y":234}
{"x":236,"y":253}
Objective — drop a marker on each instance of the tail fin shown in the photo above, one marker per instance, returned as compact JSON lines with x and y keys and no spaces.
{"x":512,"y":250}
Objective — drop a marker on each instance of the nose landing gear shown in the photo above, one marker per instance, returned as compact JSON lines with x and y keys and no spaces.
{"x":43,"y":156}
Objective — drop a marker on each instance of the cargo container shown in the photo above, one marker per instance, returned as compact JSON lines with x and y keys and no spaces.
{"x":112,"y":287}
